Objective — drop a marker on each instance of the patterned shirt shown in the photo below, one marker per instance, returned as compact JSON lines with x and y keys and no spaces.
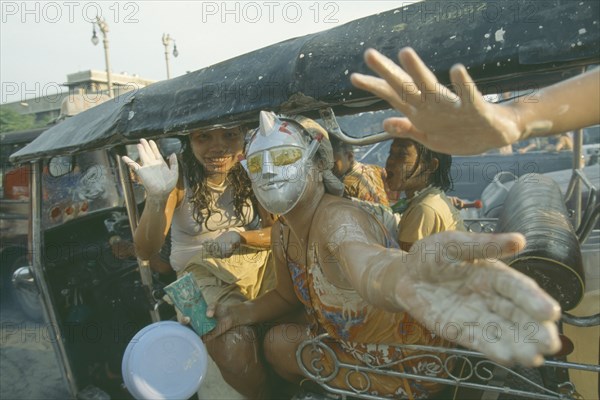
{"x":365,"y":182}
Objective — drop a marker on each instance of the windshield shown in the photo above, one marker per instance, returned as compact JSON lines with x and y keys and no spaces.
{"x":365,"y":123}
{"x":91,"y":186}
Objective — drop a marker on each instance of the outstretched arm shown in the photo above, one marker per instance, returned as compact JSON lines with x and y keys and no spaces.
{"x":462,"y":122}
{"x":448,"y":281}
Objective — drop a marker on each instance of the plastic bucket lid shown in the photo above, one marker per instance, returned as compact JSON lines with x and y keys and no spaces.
{"x":164,"y":360}
{"x":131,"y":345}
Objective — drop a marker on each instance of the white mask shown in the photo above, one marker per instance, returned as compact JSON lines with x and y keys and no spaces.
{"x":278,"y":162}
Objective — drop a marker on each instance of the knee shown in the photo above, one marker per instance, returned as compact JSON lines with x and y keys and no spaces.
{"x":235,"y":349}
{"x":283,"y":340}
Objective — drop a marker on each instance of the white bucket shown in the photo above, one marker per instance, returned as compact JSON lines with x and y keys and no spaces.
{"x":164,"y":360}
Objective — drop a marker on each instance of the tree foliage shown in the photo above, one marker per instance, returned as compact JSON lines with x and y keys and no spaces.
{"x":13,"y":121}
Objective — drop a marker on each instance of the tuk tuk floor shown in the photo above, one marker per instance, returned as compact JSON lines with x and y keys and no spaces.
{"x":28,"y":365}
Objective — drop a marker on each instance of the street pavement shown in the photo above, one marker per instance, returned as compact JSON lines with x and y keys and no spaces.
{"x":28,"y":366}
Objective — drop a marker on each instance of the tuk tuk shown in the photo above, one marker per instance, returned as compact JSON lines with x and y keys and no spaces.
{"x":15,"y":211}
{"x":95,"y":299}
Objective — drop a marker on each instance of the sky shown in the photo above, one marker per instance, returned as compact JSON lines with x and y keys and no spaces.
{"x":43,"y":41}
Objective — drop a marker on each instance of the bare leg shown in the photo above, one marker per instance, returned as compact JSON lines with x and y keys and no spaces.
{"x":280,"y":344}
{"x":237,"y":355}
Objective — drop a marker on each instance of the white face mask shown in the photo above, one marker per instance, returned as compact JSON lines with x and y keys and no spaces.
{"x":278,"y":187}
{"x":278,"y":163}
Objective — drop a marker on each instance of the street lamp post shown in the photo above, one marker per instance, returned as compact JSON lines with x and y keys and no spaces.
{"x":104,"y":29}
{"x":166,"y":40}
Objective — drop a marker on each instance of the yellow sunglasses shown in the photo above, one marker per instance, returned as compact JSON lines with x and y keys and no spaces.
{"x":279,"y":156}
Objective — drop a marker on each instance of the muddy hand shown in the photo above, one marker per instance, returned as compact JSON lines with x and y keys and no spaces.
{"x":464,"y":293}
{"x":223,"y":245}
{"x":225,"y":317}
{"x":459,"y":122}
{"x":158,"y":178}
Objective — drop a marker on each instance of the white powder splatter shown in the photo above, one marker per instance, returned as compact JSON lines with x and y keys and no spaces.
{"x":499,"y":35}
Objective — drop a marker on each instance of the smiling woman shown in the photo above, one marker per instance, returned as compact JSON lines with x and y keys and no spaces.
{"x":216,"y":232}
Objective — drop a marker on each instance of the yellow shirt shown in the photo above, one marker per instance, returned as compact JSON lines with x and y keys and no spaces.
{"x":429,"y":212}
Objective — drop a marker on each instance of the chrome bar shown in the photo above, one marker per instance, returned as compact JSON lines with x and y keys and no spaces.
{"x":583,"y":322}
{"x":128,"y":195}
{"x":588,"y":213}
{"x":589,"y":225}
{"x":132,"y":214}
{"x":577,"y":150}
{"x":38,"y":270}
{"x":334,"y":129}
{"x":581,"y":175}
{"x":571,"y":187}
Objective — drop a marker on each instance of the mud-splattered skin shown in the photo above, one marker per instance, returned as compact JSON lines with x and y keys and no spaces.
{"x":449,"y":279}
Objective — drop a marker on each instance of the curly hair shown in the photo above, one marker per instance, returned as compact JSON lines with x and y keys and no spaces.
{"x":201,"y":199}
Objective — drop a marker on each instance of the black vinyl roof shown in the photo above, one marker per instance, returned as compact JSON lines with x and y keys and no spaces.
{"x":506,"y":45}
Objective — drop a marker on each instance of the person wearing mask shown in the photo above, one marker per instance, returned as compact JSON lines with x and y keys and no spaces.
{"x":338,"y":262}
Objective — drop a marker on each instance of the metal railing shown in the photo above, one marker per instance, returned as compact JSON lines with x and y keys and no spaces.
{"x":476,"y":372}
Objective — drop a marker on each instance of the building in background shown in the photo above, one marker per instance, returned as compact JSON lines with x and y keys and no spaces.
{"x":91,"y":83}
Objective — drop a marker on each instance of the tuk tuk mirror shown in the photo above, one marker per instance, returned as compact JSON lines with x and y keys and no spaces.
{"x":60,"y":165}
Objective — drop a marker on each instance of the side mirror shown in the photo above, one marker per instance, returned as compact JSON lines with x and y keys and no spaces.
{"x":26,"y":293}
{"x":60,"y":165}
{"x":22,"y":279}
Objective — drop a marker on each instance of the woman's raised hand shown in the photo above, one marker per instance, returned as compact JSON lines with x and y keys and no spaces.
{"x":158,"y":178}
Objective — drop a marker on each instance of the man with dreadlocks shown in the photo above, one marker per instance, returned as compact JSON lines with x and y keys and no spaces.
{"x":423,"y":175}
{"x":215,"y":235}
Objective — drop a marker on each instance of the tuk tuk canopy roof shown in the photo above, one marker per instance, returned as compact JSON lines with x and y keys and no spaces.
{"x":506,"y":45}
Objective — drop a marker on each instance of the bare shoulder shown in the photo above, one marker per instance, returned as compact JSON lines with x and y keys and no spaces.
{"x":342,"y":219}
{"x":334,"y":207}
